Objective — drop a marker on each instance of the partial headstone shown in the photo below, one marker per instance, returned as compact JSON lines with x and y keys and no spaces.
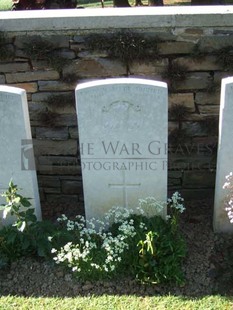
{"x":123,"y":131}
{"x":16,"y":155}
{"x":225,"y":156}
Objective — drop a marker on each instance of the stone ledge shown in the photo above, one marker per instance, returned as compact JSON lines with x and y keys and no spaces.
{"x":114,"y":18}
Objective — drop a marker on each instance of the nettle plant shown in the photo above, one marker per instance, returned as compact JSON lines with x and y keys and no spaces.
{"x":150,"y":249}
{"x":17,"y":206}
{"x":25,"y":236}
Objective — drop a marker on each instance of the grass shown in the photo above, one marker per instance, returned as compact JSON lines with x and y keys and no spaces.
{"x":108,"y":302}
{"x":5,"y":5}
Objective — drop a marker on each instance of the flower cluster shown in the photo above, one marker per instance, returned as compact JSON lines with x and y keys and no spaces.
{"x":176,"y":202}
{"x":150,"y":203}
{"x":228,"y":185}
{"x":98,"y":250}
{"x":101,"y":247}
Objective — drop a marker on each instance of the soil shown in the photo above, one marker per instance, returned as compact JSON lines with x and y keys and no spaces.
{"x":207,"y":268}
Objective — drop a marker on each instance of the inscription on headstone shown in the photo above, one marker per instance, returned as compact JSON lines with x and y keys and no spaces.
{"x":123,"y":142}
{"x":16,"y":156}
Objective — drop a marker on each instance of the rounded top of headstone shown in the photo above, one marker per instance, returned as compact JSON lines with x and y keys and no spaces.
{"x":117,"y":81}
{"x":227,"y":80}
{"x":12,"y":90}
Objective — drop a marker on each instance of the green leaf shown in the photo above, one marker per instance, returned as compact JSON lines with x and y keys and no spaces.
{"x":25,"y":244}
{"x":41,"y":252}
{"x":11,"y":185}
{"x":11,"y":237}
{"x":30,"y":212}
{"x":14,"y":208}
{"x":25,"y":202}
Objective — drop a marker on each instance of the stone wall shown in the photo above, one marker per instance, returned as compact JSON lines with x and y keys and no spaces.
{"x":49,"y":52}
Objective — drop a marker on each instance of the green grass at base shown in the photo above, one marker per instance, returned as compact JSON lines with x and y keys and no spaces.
{"x":110,"y":302}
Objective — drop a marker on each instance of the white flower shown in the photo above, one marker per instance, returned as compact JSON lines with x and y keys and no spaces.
{"x":112,"y":267}
{"x":176,"y":202}
{"x":62,"y":218}
{"x":226,"y":185}
{"x":151,"y":203}
{"x":67,"y":246}
{"x":109,"y":259}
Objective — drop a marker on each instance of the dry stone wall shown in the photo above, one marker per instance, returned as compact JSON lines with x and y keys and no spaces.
{"x":48,"y":54}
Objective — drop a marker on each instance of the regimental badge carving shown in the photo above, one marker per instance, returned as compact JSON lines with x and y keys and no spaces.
{"x":122,"y":114}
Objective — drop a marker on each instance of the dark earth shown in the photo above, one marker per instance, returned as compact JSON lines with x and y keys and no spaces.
{"x":208,"y":268}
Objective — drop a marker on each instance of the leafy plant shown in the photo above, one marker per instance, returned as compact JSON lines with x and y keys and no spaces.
{"x":197,"y":54}
{"x":70,"y":78}
{"x":61,"y":100}
{"x":210,"y":125}
{"x":150,"y":249}
{"x":162,"y":250}
{"x":178,"y":136}
{"x":26,"y":236}
{"x":57,"y":62}
{"x":212,"y":87}
{"x":225,"y":58}
{"x":175,"y":72}
{"x":17,"y":206}
{"x":49,"y":118}
{"x":224,"y":268}
{"x":178,"y":112}
{"x":39,"y":48}
{"x":127,"y":46}
{"x":5,"y":52}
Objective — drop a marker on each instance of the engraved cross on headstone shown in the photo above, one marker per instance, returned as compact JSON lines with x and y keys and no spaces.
{"x":124,"y":186}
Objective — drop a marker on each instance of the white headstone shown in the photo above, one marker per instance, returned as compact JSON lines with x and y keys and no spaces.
{"x":225,"y":156}
{"x":123,"y":138}
{"x":16,"y":155}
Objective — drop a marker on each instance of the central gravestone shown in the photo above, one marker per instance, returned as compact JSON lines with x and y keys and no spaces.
{"x":16,"y":156}
{"x":123,"y":143}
